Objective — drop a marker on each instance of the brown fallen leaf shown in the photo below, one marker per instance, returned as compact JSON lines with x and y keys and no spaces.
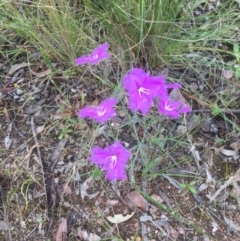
{"x":227,"y":74}
{"x":40,"y":129}
{"x":85,"y":186}
{"x":174,"y":234}
{"x":232,"y":225}
{"x":235,"y":146}
{"x":4,"y":226}
{"x":95,"y":102}
{"x":176,"y":95}
{"x":136,"y":199}
{"x":231,"y":180}
{"x":157,"y":198}
{"x":62,"y":231}
{"x":58,"y":149}
{"x":63,"y":190}
{"x":41,"y":74}
{"x":228,"y":152}
{"x":66,"y":189}
{"x":84,"y":235}
{"x":16,"y":67}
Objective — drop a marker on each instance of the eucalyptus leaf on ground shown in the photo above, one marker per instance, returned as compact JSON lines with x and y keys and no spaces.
{"x":119,"y":218}
{"x":62,"y":231}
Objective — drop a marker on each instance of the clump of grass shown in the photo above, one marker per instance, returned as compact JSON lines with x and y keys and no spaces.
{"x":151,"y":32}
{"x":138,"y":24}
{"x":165,"y":32}
{"x":59,"y":30}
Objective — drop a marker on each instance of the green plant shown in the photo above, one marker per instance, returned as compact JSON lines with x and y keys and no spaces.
{"x":66,"y":128}
{"x":220,"y":141}
{"x":237,"y":56}
{"x":65,"y":131}
{"x":190,"y":187}
{"x":216,"y":110}
{"x":96,"y":173}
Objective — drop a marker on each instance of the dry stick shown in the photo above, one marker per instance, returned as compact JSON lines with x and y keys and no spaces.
{"x":236,"y":111}
{"x":29,"y":234}
{"x":48,"y":178}
{"x":27,"y":157}
{"x":165,"y":199}
{"x":5,"y":214}
{"x":39,"y":156}
{"x":57,"y":152}
{"x":12,"y":119}
{"x":35,"y":139}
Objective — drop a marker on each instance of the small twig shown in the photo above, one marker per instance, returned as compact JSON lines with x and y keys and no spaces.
{"x":18,"y":131}
{"x":35,"y":139}
{"x":29,"y":234}
{"x":44,"y":175}
{"x":57,"y":152}
{"x":27,"y":157}
{"x":50,"y":195}
{"x":165,"y":199}
{"x":10,"y":117}
{"x":236,"y":111}
{"x":5,"y":214}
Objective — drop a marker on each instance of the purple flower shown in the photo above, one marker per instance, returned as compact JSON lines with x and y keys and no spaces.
{"x":142,"y":89}
{"x":95,"y":57}
{"x":172,"y":108}
{"x":101,"y":113}
{"x":160,"y":88}
{"x":112,"y":159}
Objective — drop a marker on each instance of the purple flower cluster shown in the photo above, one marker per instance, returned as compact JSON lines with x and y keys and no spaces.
{"x":142,"y":89}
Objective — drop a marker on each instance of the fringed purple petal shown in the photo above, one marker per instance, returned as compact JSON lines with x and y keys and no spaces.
{"x":101,"y":113}
{"x":98,"y":54}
